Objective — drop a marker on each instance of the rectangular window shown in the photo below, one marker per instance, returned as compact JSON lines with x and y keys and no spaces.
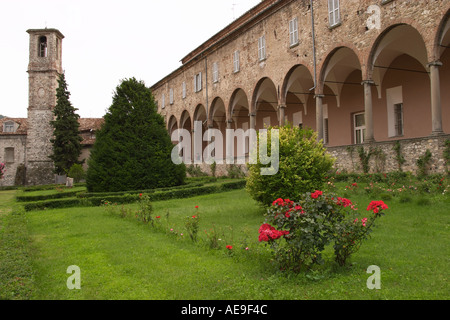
{"x":262,"y":48}
{"x":198,"y":82}
{"x":398,"y":119}
{"x":293,"y":32}
{"x":333,"y":12}
{"x":9,"y":155}
{"x":163,"y":101}
{"x":236,"y":64}
{"x":184,"y":90}
{"x":8,"y":127}
{"x":171,"y":96}
{"x":215,"y":72}
{"x":359,"y":123}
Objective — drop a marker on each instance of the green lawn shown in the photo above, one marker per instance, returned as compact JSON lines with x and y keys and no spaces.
{"x":122,"y":258}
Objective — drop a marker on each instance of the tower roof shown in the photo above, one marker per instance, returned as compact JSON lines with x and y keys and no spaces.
{"x":46,"y":30}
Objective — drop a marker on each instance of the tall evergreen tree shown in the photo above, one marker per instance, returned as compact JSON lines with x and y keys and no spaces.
{"x":133,"y":148}
{"x":66,"y":139}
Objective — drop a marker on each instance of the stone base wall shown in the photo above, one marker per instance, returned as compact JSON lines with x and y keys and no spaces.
{"x":40,"y":173}
{"x":383,"y":158}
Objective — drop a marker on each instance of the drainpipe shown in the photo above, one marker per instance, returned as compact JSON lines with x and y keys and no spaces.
{"x":314,"y":45}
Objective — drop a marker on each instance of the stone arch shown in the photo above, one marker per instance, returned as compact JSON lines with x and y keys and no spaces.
{"x":217,"y":113}
{"x":342,"y":96}
{"x":398,"y":65}
{"x":442,"y":39}
{"x":238,"y":108}
{"x":265,"y":102}
{"x":394,"y":39}
{"x":296,"y":92}
{"x":172,"y":124}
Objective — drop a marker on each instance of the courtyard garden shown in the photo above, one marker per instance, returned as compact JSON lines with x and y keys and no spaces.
{"x":203,"y":241}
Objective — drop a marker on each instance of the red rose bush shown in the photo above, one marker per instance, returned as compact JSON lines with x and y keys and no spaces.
{"x":298,"y":232}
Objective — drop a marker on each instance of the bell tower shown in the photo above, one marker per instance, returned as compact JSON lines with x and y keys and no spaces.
{"x":45,"y":65}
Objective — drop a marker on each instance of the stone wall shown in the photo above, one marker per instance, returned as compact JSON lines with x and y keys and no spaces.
{"x":384,"y":157}
{"x":18,"y":143}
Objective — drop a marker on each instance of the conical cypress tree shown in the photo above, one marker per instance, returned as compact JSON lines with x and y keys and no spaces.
{"x":133,"y":149}
{"x":66,"y":139}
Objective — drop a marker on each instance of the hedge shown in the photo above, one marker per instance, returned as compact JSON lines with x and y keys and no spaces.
{"x":68,"y":194}
{"x":130,"y":198}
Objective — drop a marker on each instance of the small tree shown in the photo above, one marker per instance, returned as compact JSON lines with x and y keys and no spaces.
{"x":133,"y":148}
{"x":76,"y":172}
{"x":66,"y":139}
{"x":303,"y":166}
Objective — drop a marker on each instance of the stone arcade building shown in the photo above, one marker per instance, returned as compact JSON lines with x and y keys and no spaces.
{"x":25,"y":142}
{"x":359,"y":72}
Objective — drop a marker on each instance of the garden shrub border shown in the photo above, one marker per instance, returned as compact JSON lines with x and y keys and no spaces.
{"x":133,"y":197}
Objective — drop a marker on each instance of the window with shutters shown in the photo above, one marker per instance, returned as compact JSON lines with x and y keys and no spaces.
{"x":293,"y":32}
{"x":262,"y":48}
{"x":236,"y":65}
{"x":184,"y":90}
{"x":198,"y":82}
{"x":333,"y":12}
{"x":171,"y":96}
{"x":215,"y":72}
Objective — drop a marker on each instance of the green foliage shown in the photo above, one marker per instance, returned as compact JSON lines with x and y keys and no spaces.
{"x":76,"y":172}
{"x":423,"y":163}
{"x":364,"y":158}
{"x":66,"y":140}
{"x":191,"y":224}
{"x":195,"y":171}
{"x":298,"y":232}
{"x":303,"y":166}
{"x":145,"y":209}
{"x":133,"y":148}
{"x":398,"y":155}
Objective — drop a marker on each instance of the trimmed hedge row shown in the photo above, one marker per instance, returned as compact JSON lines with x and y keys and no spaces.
{"x":68,"y":194}
{"x":146,"y":191}
{"x":130,"y":198}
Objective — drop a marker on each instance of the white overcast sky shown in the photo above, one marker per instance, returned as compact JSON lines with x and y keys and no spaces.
{"x":106,"y":41}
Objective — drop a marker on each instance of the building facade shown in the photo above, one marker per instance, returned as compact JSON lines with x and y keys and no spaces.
{"x":359,"y":72}
{"x":25,"y":142}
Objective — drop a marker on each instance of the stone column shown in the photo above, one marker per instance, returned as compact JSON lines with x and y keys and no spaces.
{"x":368,"y":110}
{"x":436,"y":108}
{"x":252,"y":120}
{"x":282,"y":114}
{"x":229,"y":123}
{"x":319,"y":116}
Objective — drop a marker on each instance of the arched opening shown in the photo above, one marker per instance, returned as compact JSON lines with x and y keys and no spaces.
{"x":186,"y":123}
{"x":219,"y":120}
{"x":265,"y":104}
{"x":343,"y":101}
{"x":298,"y":98}
{"x":42,"y":47}
{"x":443,"y":54}
{"x":172,"y":125}
{"x":200,"y":127}
{"x":398,"y":66}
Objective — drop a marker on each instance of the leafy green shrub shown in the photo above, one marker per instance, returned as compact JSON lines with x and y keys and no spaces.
{"x":76,"y":172}
{"x":303,"y":166}
{"x":423,"y":163}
